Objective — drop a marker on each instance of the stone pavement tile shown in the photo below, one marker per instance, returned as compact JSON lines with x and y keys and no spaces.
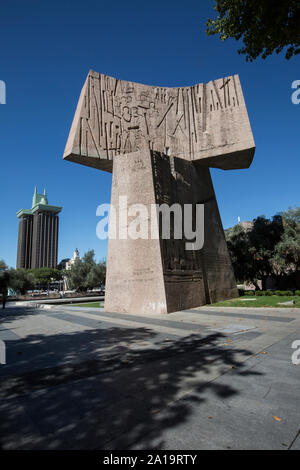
{"x":174,"y":377}
{"x":105,"y":346}
{"x":295,"y":444}
{"x":56,"y":407}
{"x":233,"y":328}
{"x":144,"y":389}
{"x":40,"y":324}
{"x":17,"y":431}
{"x":95,"y":351}
{"x":214,"y":424}
{"x":275,"y":373}
{"x":7,"y":334}
{"x":22,"y":356}
{"x":117,"y":387}
{"x":243,"y":418}
{"x":164,"y":320}
{"x":270,"y":340}
{"x":263,"y":316}
{"x":260,"y":395}
{"x":93,"y":320}
{"x":104,"y":323}
{"x":129,"y":417}
{"x":64,"y":417}
{"x":166,"y":380}
{"x":285,"y":397}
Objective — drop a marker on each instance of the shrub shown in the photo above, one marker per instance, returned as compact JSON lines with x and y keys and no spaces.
{"x":289,"y":292}
{"x":284,"y":292}
{"x":260,"y":293}
{"x":281,"y":293}
{"x":264,"y":292}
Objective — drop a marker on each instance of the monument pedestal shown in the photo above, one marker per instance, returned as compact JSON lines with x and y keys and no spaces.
{"x":156,"y":275}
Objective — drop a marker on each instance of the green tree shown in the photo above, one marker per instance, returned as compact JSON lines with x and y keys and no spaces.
{"x":286,"y":256}
{"x":238,"y":246}
{"x":4,"y":275}
{"x":3,"y":266}
{"x":270,"y":248}
{"x":4,"y":281}
{"x":85,"y":273}
{"x":263,"y":237}
{"x":21,"y":280}
{"x":96,"y":275}
{"x":44,"y":276}
{"x":265,"y":26}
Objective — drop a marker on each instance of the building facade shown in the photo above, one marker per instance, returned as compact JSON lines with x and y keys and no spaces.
{"x":69,"y":265}
{"x":38,"y":234}
{"x":71,"y":261}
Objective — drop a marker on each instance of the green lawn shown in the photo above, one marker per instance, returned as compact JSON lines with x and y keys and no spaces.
{"x":261,"y":301}
{"x":89,"y":304}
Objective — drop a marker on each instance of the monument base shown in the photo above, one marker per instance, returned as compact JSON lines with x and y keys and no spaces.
{"x":157,"y":275}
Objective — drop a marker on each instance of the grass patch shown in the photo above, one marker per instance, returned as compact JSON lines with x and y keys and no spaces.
{"x":261,"y":301}
{"x":89,"y":304}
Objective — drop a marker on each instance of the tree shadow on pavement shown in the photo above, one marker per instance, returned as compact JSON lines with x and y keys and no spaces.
{"x":109,"y":388}
{"x":11,"y":313}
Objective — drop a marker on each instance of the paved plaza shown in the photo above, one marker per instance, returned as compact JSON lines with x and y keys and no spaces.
{"x":206,"y":378}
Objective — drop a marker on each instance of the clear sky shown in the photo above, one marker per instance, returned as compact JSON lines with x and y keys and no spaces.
{"x":47,"y":49}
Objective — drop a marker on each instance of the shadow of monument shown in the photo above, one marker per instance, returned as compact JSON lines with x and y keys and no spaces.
{"x":111,"y":388}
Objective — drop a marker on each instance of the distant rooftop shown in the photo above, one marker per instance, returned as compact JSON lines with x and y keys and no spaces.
{"x":39,"y":203}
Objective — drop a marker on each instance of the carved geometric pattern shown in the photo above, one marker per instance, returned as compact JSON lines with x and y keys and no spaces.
{"x":205,"y":122}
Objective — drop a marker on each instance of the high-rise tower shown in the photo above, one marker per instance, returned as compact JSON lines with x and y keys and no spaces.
{"x":38,"y":234}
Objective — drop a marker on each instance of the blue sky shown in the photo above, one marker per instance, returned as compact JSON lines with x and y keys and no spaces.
{"x":47,"y":49}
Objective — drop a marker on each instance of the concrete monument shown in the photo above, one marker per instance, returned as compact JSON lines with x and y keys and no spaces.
{"x":159,"y":143}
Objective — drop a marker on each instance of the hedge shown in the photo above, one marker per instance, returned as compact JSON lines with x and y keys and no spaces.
{"x":270,"y":292}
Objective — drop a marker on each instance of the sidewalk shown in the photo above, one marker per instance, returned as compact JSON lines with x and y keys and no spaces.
{"x":80,"y":378}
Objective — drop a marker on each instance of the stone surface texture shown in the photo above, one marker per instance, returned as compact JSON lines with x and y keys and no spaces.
{"x":206,"y":122}
{"x":160,"y":142}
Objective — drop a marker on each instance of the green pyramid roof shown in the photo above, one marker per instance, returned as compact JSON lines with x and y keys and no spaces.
{"x":39,"y":203}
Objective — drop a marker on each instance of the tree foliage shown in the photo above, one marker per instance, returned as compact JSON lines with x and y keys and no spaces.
{"x":85,"y":273}
{"x":21,"y":280}
{"x":44,"y":276}
{"x":238,"y":246}
{"x":286,"y":256}
{"x":4,"y":277}
{"x":270,"y":248}
{"x":263,"y":237}
{"x":265,"y":26}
